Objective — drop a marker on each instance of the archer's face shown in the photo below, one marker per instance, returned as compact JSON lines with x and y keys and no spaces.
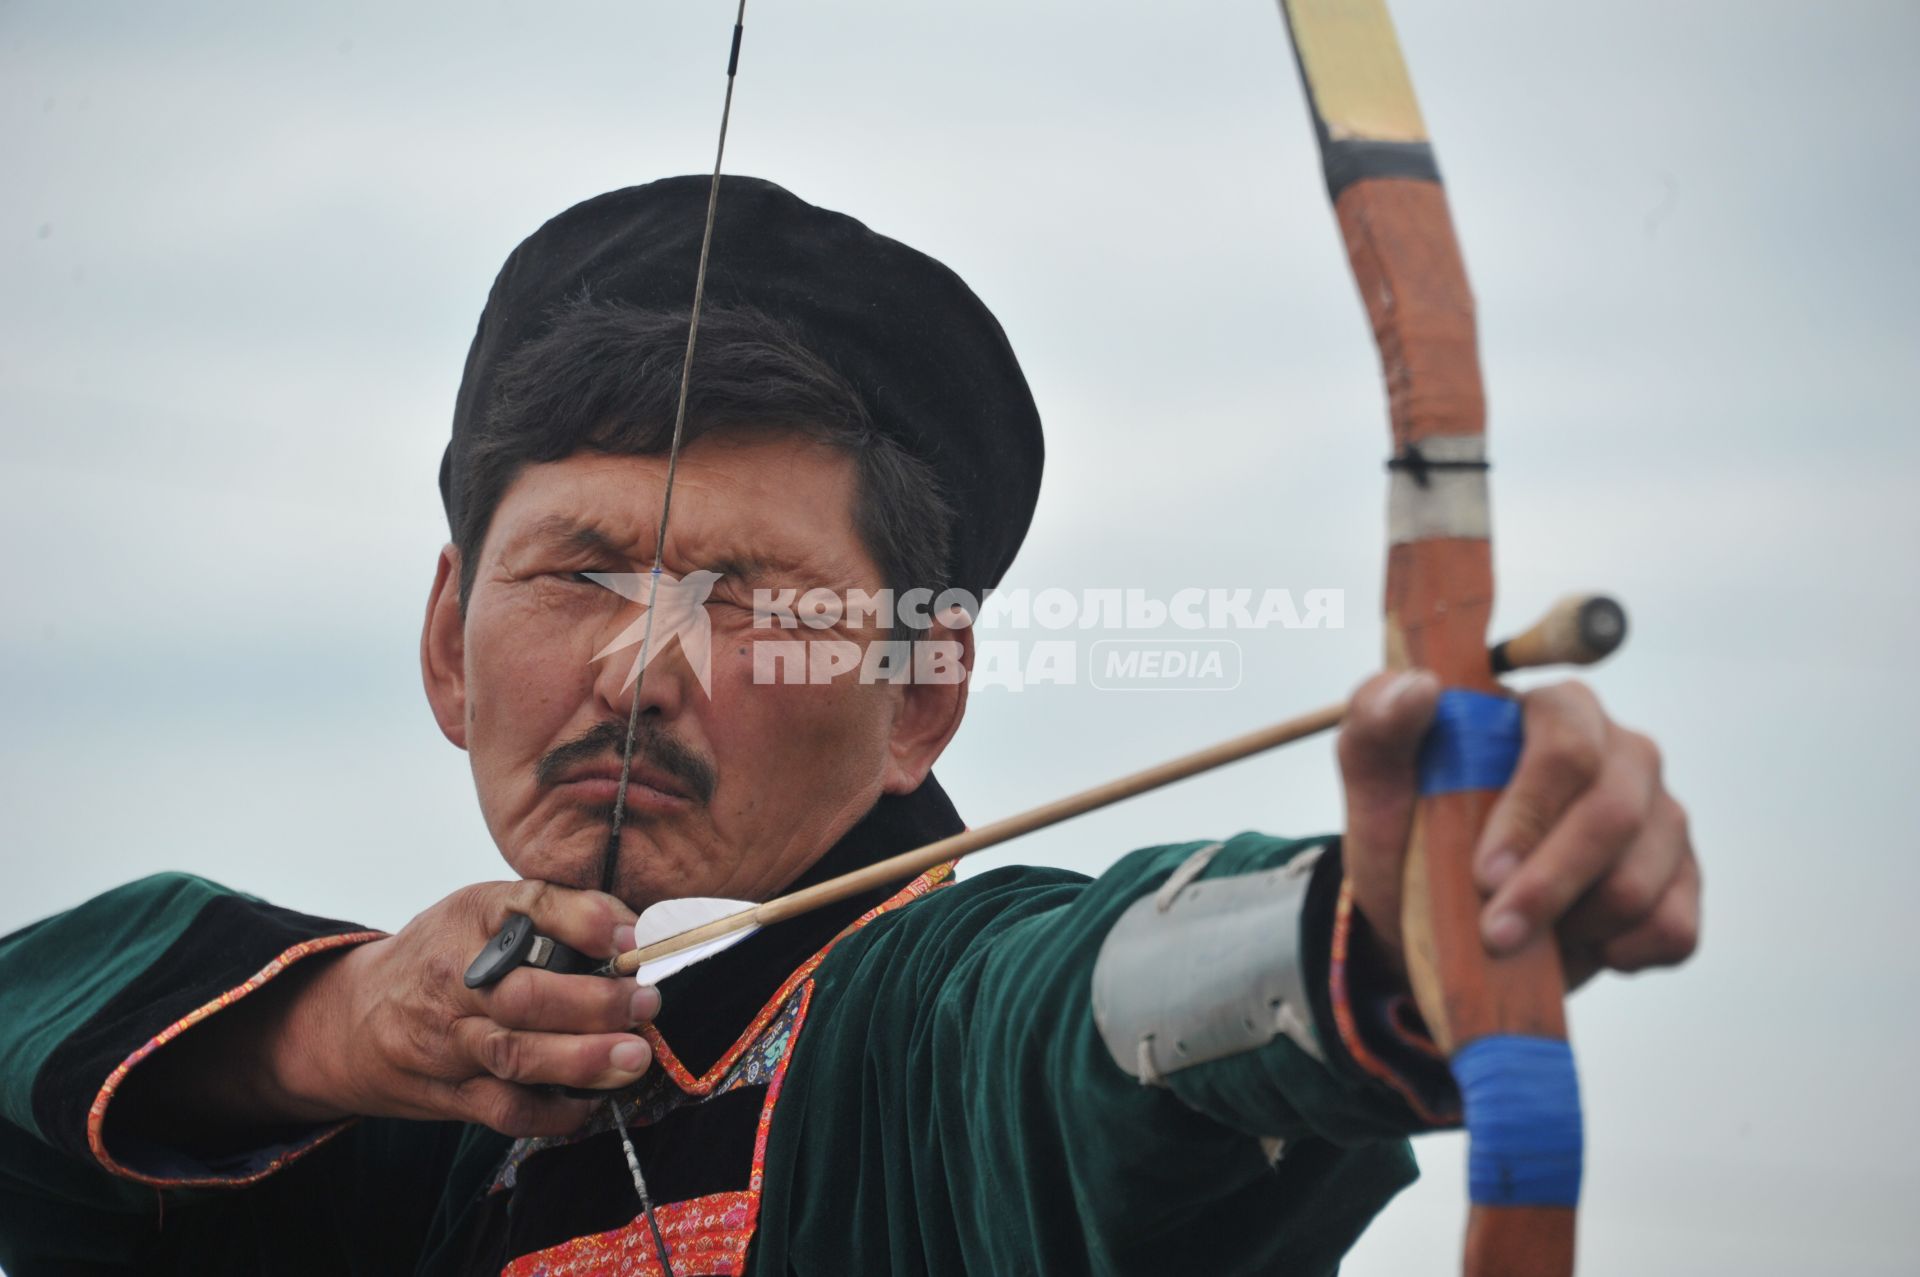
{"x":733,"y":792}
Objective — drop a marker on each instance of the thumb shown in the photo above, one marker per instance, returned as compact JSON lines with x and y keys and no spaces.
{"x":1379,"y":760}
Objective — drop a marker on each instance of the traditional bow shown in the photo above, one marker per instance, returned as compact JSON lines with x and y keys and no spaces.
{"x":1501,"y":1021}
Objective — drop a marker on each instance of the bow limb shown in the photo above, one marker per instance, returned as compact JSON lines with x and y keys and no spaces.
{"x":1501,"y":1021}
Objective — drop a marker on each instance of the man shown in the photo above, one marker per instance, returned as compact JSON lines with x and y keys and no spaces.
{"x":916,"y":1080}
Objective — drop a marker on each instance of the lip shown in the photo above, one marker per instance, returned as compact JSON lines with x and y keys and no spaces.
{"x":648,"y":789}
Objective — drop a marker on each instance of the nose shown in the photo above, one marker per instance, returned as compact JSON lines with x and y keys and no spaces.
{"x":647,"y":662}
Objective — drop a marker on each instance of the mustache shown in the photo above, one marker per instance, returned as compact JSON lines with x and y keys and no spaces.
{"x":651,"y":745}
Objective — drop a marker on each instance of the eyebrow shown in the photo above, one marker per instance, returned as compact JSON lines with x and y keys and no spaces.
{"x":570,"y":532}
{"x":575,"y":535}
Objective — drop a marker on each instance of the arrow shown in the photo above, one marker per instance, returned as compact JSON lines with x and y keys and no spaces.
{"x":1578,"y":630}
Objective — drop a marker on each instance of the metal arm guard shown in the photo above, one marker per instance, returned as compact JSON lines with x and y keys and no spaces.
{"x":1205,"y":969}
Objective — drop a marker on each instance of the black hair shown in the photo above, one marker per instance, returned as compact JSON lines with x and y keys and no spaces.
{"x":605,"y":377}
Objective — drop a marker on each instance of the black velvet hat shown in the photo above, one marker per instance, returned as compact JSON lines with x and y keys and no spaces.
{"x":930,"y":360}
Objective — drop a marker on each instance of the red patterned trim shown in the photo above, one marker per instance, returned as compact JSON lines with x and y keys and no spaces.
{"x":1356,"y":1046}
{"x":97,"y":1111}
{"x":1404,"y":1018}
{"x":699,"y":1086}
{"x":706,"y":1236}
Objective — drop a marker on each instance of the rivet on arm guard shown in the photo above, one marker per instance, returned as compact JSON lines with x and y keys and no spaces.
{"x":1209,"y":970}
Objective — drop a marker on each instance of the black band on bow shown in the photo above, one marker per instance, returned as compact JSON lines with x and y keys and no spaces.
{"x":1420,"y":466}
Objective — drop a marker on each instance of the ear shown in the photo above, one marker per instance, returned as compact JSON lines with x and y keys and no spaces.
{"x":931,"y":705}
{"x":443,"y":650}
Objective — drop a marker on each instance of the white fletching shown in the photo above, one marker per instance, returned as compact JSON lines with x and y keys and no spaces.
{"x":670,"y":918}
{"x":660,"y":968}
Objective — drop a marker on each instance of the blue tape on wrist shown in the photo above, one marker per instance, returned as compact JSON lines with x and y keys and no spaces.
{"x":1523,"y":1120}
{"x":1474,"y":743}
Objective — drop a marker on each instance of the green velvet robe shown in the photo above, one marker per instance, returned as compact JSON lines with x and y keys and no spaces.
{"x":947,"y":1106}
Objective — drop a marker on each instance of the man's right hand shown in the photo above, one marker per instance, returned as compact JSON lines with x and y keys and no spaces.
{"x":389,"y":1029}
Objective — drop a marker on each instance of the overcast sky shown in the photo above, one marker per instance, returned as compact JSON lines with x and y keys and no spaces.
{"x":242,"y":249}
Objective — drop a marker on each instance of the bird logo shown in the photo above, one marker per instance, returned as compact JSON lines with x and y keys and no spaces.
{"x":678,"y":612}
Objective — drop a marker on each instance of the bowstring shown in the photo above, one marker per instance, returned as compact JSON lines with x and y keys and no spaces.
{"x":610,"y":857}
{"x":640,"y":1187}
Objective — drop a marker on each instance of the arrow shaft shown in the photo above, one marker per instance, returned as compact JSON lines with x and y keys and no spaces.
{"x":918,"y":861}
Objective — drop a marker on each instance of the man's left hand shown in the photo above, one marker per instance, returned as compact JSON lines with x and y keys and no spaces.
{"x":1585,"y":839}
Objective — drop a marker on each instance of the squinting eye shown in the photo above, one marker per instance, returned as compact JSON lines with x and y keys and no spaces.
{"x":608,"y":579}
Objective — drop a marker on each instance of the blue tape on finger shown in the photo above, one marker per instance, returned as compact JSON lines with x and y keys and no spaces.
{"x":1523,"y":1120}
{"x":1474,"y":743}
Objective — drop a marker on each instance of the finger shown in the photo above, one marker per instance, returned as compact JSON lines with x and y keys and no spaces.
{"x":1379,"y":759}
{"x":584,"y":920}
{"x":1637,"y":884}
{"x":1584,"y":845}
{"x":517,"y":1111}
{"x":1665,"y":934}
{"x":1564,"y":748}
{"x":1578,"y":965}
{"x":550,"y":1003}
{"x":1669,"y":936}
{"x":588,"y":1061}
